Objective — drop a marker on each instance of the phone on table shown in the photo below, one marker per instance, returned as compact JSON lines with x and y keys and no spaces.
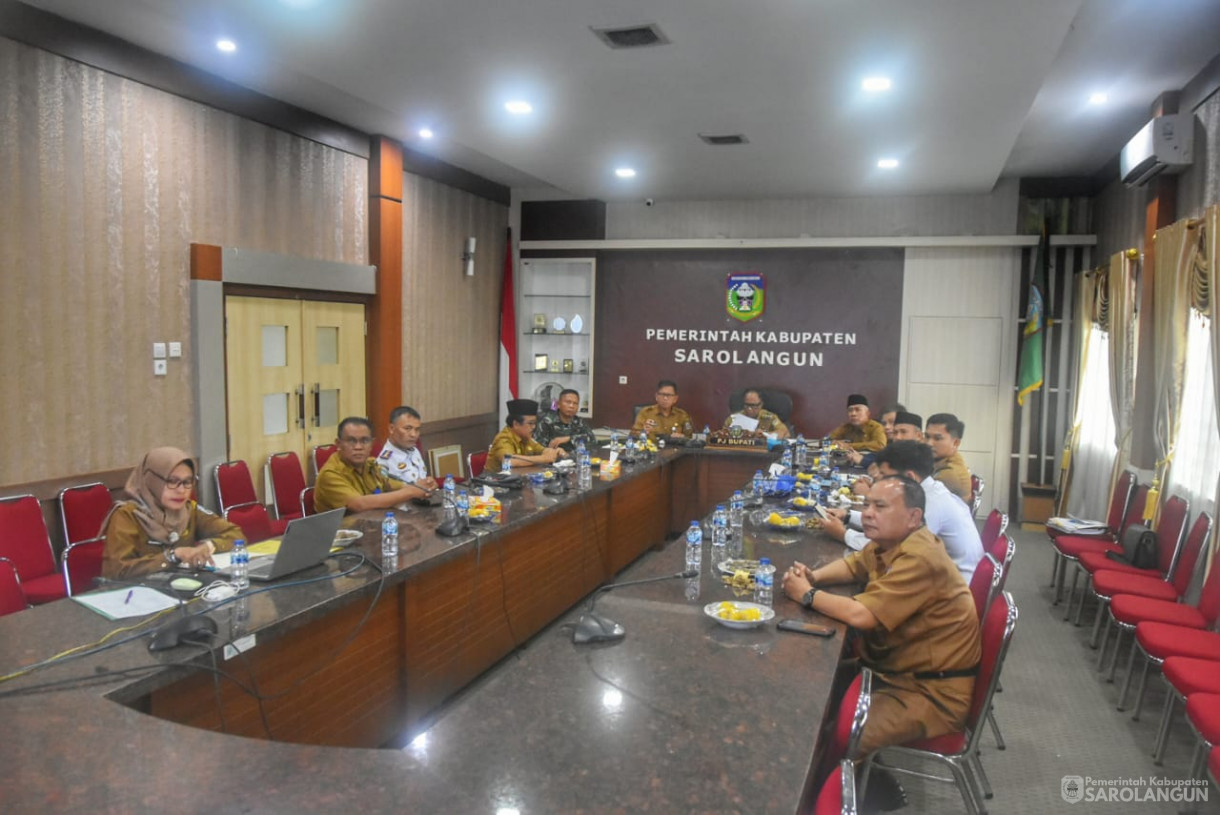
{"x":805,"y":628}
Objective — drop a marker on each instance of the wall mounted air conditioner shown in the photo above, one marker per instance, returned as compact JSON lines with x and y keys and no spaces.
{"x":1162,"y":145}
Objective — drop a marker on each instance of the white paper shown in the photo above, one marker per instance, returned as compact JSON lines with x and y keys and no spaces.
{"x":744,"y":422}
{"x":115,"y":605}
{"x":776,"y":469}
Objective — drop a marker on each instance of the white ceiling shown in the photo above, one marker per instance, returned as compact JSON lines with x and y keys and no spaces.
{"x":982,"y":88}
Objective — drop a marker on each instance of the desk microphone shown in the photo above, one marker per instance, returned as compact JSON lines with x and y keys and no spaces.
{"x":593,"y":627}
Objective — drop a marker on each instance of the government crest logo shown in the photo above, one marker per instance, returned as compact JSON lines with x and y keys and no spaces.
{"x":1072,"y":788}
{"x":745,"y":296}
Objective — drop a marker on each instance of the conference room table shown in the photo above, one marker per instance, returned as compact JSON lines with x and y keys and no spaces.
{"x":452,"y":682}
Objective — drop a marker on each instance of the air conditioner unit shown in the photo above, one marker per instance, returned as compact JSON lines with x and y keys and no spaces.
{"x":1163,"y":145}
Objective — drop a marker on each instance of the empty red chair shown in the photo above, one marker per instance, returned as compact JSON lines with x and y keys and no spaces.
{"x":1120,"y":499}
{"x":1107,"y":577}
{"x":254,"y":521}
{"x":1203,"y":713}
{"x":323,"y":452}
{"x":838,"y":793}
{"x":235,"y":487}
{"x":12,"y":597}
{"x":475,"y":462}
{"x":1154,"y":643}
{"x":1184,"y":676}
{"x":82,"y":511}
{"x":24,"y":541}
{"x":287,"y":481}
{"x":307,"y":506}
{"x":1071,"y":547}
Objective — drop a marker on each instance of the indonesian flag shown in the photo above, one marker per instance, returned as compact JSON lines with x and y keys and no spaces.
{"x":508,"y":328}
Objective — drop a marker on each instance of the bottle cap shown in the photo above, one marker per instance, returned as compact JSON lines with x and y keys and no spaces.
{"x":764,"y":561}
{"x":694,"y":523}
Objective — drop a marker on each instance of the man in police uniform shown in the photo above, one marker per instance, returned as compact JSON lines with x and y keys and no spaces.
{"x":919,"y":630}
{"x":351,"y":477}
{"x":400,"y":457}
{"x":859,"y":432}
{"x":562,"y":427}
{"x":664,"y":418}
{"x":516,"y":440}
{"x":944,"y":436}
{"x":752,"y":407}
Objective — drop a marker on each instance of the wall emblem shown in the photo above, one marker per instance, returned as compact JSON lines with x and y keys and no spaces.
{"x":745,"y":296}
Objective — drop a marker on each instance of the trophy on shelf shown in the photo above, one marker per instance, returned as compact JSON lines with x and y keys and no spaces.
{"x":584,"y":366}
{"x":554,"y":366}
{"x":567,"y":366}
{"x":539,"y":324}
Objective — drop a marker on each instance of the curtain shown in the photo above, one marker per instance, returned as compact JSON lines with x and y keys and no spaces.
{"x":1176,"y":247}
{"x":1208,"y":262}
{"x":1122,"y":315}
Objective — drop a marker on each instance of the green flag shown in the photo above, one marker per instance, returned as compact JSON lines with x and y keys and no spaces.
{"x":1029,"y":369}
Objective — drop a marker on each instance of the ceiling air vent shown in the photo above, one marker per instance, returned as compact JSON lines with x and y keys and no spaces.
{"x":720,"y":141}
{"x":636,"y":36}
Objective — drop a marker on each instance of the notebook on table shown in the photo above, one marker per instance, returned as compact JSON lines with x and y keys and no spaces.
{"x":306,"y":542}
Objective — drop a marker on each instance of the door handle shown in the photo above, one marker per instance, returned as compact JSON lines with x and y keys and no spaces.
{"x":317,"y":404}
{"x":300,"y":390}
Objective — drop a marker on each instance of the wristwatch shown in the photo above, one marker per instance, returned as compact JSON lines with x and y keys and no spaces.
{"x":807,"y":598}
{"x":171,"y":557}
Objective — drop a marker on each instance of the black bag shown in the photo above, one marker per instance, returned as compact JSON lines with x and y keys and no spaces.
{"x":1139,"y":548}
{"x":498,"y":480}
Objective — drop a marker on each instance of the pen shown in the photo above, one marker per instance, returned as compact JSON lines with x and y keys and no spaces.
{"x":129,"y":593}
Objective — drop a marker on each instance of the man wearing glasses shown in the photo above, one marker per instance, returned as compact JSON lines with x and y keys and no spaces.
{"x":754,"y":416}
{"x":351,"y":477}
{"x":664,"y":418}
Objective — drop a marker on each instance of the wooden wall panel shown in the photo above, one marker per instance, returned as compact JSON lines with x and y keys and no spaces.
{"x":107,"y":182}
{"x":451,"y":323}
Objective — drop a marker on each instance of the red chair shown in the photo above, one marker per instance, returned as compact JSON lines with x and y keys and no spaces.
{"x":1203,"y":713}
{"x":993,"y":528}
{"x":307,"y":507}
{"x":1107,"y":577}
{"x":1141,"y":598}
{"x":1154,"y":643}
{"x":838,"y":793}
{"x":1120,"y":499}
{"x":475,"y":462}
{"x":82,"y":511}
{"x":323,"y":452}
{"x":12,"y":597}
{"x":25,"y":542}
{"x":985,"y":583}
{"x":977,"y":485}
{"x":234,"y":485}
{"x":960,"y":750}
{"x":1071,"y":547}
{"x":254,"y":521}
{"x":853,"y":713}
{"x":1185,"y":676}
{"x":287,"y":481}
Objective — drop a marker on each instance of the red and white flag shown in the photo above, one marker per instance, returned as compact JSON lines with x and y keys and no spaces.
{"x":508,"y":328}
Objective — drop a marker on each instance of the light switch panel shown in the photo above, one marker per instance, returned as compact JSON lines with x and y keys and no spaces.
{"x":175,"y":350}
{"x":622,"y":380}
{"x":160,"y":367}
{"x":158,"y":350}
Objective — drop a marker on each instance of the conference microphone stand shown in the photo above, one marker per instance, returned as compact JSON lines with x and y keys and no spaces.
{"x":594,"y":627}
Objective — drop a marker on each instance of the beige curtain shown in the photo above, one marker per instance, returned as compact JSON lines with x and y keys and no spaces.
{"x":1082,"y":323}
{"x":1172,"y":297}
{"x":1207,"y":263}
{"x":1122,"y":315}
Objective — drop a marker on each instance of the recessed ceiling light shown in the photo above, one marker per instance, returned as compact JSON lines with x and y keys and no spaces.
{"x":625,"y":172}
{"x":518,"y":107}
{"x":875,"y":84}
{"x":228,"y":46}
{"x":887,"y":163}
{"x":425,"y":133}
{"x":1098,"y":98}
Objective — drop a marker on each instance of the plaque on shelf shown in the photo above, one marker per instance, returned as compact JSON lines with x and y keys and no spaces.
{"x":539,"y":323}
{"x":559,"y":325}
{"x":567,"y":366}
{"x":554,"y":366}
{"x":540,"y":362}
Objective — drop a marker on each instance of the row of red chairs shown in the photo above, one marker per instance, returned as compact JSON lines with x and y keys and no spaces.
{"x":960,"y":751}
{"x":1152,"y":605}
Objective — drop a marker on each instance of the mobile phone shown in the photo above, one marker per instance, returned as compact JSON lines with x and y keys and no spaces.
{"x":805,"y":628}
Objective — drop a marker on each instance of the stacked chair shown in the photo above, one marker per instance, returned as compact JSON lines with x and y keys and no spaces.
{"x":287,"y":483}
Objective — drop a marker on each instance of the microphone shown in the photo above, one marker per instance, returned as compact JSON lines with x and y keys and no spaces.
{"x":593,"y":627}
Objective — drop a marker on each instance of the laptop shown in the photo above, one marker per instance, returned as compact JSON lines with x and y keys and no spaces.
{"x":306,"y":542}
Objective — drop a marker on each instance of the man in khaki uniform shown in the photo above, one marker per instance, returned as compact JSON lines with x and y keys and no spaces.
{"x":944,"y":436}
{"x":752,"y":407}
{"x":516,"y":440}
{"x":920,"y":632}
{"x":664,"y":418}
{"x":860,"y":432}
{"x":352,"y":478}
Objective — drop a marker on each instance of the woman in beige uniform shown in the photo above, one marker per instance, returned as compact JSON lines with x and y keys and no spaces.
{"x":161,"y":526}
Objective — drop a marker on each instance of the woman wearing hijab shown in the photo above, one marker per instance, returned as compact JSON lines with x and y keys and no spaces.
{"x":161,"y":526}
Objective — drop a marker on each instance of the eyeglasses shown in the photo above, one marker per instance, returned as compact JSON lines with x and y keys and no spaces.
{"x":363,"y":441}
{"x":179,"y":483}
{"x":664,"y":395}
{"x":751,"y":404}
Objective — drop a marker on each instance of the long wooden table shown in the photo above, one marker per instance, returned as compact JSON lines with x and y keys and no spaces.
{"x":683,"y":714}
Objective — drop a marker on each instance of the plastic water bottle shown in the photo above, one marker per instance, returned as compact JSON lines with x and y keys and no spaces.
{"x":506,"y":464}
{"x":786,"y":460}
{"x":707,"y":433}
{"x":760,"y":484}
{"x":239,"y":566}
{"x":584,"y":470}
{"x":463,"y":503}
{"x":737,"y":516}
{"x":613,"y":439}
{"x":694,"y":546}
{"x":764,"y":582}
{"x":801,"y":458}
{"x":720,"y":534}
{"x":389,"y":535}
{"x":629,"y":451}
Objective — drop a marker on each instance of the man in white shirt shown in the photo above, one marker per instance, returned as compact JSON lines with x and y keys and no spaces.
{"x":945,"y":515}
{"x":400,"y":458}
